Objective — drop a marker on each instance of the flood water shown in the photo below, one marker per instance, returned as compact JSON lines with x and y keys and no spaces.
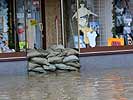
{"x":98,"y":84}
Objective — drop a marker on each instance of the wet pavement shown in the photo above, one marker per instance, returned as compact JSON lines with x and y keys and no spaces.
{"x":90,"y":84}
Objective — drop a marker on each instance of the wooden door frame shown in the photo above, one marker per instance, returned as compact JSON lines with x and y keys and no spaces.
{"x":44,"y":24}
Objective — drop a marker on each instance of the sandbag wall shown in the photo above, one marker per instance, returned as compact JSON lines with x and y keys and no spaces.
{"x":55,"y":58}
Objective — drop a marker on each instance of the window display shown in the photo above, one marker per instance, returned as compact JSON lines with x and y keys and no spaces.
{"x":123,"y":21}
{"x":12,"y":26}
{"x":88,"y":30}
{"x":4,"y":27}
{"x":88,"y":33}
{"x":21,"y":20}
{"x":99,"y":23}
{"x":20,"y":25}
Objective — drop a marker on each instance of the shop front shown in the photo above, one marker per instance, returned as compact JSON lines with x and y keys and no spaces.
{"x":91,"y":26}
{"x":99,"y":26}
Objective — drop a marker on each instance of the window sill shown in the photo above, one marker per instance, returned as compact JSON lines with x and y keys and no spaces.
{"x":15,"y":56}
{"x":106,"y":50}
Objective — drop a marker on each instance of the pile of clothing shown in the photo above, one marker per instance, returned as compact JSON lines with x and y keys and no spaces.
{"x":4,"y":43}
{"x":123,"y":22}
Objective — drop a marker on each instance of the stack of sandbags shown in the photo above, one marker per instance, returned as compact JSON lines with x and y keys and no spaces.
{"x":53,"y":59}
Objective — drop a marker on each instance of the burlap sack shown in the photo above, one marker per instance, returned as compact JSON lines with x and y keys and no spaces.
{"x":70,"y":58}
{"x":39,"y":60}
{"x":65,"y":67}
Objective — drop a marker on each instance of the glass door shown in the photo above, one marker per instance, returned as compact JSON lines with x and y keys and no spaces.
{"x":34,"y":24}
{"x":71,"y":24}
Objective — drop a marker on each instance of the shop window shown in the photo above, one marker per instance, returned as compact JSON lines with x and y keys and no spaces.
{"x":4,"y":26}
{"x":71,"y":25}
{"x":98,"y":23}
{"x":20,"y":25}
{"x":123,"y":19}
{"x":12,"y":26}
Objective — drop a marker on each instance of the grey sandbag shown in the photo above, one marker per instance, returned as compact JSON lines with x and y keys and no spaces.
{"x":69,"y":51}
{"x":55,"y":60}
{"x":43,"y":52}
{"x":49,"y":68}
{"x":65,"y":67}
{"x":39,"y":60}
{"x":73,"y":64}
{"x":70,"y":58}
{"x":32,"y":65}
{"x":39,"y":70}
{"x":33,"y":53}
{"x":53,"y":54}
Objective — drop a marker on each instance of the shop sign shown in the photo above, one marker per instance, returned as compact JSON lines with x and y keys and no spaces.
{"x":115,"y":42}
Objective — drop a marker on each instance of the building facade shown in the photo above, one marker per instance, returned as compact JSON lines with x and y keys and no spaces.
{"x":87,"y":25}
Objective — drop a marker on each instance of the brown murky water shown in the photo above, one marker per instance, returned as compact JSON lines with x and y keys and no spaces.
{"x":98,"y":84}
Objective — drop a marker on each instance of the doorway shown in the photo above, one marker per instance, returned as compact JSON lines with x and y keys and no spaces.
{"x":35,"y":19}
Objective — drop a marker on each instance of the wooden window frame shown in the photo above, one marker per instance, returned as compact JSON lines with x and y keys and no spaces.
{"x":106,"y":50}
{"x":16,"y":56}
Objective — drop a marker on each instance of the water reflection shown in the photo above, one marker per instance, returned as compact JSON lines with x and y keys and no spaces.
{"x":106,"y":84}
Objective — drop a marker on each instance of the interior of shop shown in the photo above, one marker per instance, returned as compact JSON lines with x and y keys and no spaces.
{"x":98,"y":23}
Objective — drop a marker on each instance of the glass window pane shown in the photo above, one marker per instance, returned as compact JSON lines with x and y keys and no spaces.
{"x":105,"y":22}
{"x":34,"y":24}
{"x":20,"y":19}
{"x":71,"y":24}
{"x":4,"y":27}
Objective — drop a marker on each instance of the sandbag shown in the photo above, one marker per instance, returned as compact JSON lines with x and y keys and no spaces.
{"x":69,"y":51}
{"x":53,"y":54}
{"x":44,"y":53}
{"x":55,"y":60}
{"x":32,"y":65}
{"x":70,"y":58}
{"x":33,"y":53}
{"x":39,"y":70}
{"x":73,"y":64}
{"x":49,"y":68}
{"x":65,"y":67}
{"x":39,"y":60}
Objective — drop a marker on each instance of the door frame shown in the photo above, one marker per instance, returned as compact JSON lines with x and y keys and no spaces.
{"x":44,"y":24}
